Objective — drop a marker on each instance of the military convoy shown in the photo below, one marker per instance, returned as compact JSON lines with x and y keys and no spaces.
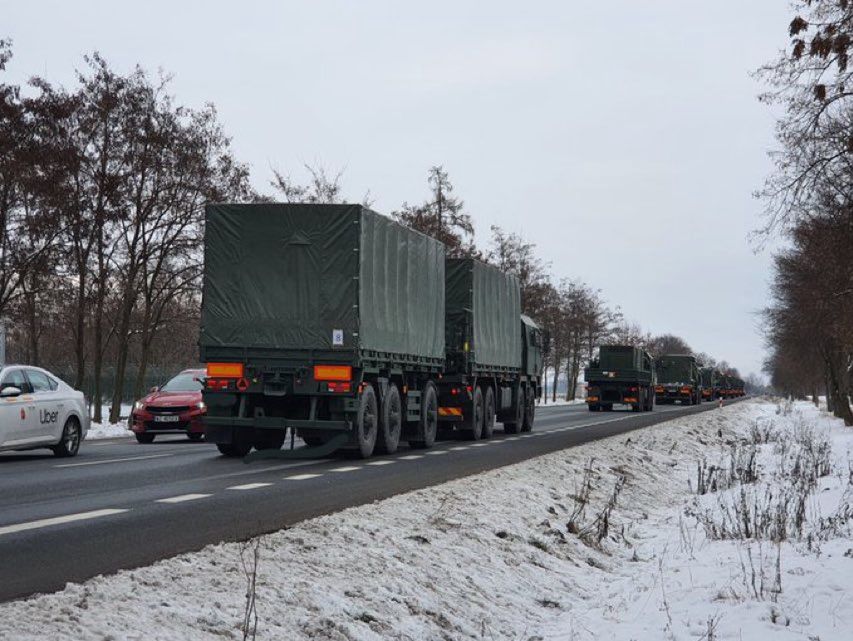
{"x":622,"y":374}
{"x":341,"y":326}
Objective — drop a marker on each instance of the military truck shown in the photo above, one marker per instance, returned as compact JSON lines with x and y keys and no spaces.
{"x":328,"y":322}
{"x":710,"y":383}
{"x":678,"y":379}
{"x":494,"y":353}
{"x":622,"y":374}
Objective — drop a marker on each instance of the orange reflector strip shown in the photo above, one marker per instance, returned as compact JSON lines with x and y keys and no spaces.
{"x":590,"y":399}
{"x":225,"y":370}
{"x":450,"y":411}
{"x":332,"y":373}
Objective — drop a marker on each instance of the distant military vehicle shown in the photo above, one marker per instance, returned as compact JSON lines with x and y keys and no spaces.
{"x":678,"y":379}
{"x":622,"y":374}
{"x":710,"y":383}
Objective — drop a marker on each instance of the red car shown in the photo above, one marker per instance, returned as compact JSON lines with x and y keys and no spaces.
{"x":174,"y":408}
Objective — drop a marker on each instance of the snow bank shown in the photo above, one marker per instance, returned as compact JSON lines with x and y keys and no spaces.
{"x":110,"y":430}
{"x":591,"y":542}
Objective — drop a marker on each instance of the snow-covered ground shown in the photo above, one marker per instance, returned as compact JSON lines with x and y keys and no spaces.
{"x":601,"y":541}
{"x":561,"y":402}
{"x":105,"y":429}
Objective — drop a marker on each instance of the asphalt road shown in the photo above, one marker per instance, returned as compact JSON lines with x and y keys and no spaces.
{"x":120,"y":504}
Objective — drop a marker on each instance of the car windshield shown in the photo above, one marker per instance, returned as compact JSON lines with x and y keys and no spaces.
{"x":186,"y":382}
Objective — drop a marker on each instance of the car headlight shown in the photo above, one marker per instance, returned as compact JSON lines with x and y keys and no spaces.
{"x":201,"y":406}
{"x":138,"y":406}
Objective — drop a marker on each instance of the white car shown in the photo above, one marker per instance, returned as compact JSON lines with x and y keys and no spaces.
{"x":37,"y":410}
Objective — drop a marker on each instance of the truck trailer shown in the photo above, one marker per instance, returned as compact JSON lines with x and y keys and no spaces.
{"x":494,"y":353}
{"x":710,"y":383}
{"x":622,"y":374}
{"x":328,"y":322}
{"x":678,"y":379}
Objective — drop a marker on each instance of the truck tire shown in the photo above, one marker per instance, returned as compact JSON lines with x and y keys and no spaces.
{"x":390,"y":421}
{"x":473,"y":426}
{"x":489,"y":413}
{"x":529,"y":411}
{"x":366,"y":422}
{"x":269,"y":439}
{"x":428,"y":423}
{"x":513,"y":426}
{"x":240,"y":445}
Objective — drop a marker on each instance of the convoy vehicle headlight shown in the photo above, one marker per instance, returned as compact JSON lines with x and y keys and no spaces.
{"x":138,"y":405}
{"x":201,"y":406}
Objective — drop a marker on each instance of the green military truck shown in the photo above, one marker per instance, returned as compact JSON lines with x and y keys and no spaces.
{"x":328,"y":322}
{"x":710,"y":383}
{"x":678,"y":379}
{"x":622,"y":374}
{"x":494,"y":353}
{"x":325,"y":319}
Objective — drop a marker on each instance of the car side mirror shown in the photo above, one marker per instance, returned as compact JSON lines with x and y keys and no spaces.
{"x":154,"y":389}
{"x":9,"y":392}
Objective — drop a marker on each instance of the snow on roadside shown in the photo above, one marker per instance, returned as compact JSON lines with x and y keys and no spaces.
{"x":500,"y":555}
{"x":110,"y":430}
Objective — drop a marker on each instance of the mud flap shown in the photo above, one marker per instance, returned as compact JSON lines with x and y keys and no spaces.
{"x":335,"y":443}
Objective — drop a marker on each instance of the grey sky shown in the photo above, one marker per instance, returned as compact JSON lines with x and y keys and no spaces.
{"x":623,"y":138}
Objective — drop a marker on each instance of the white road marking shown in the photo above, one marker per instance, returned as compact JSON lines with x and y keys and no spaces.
{"x":301,"y":477}
{"x":377,"y":463}
{"x":411,"y":457}
{"x":459,"y":448}
{"x":248,"y":486}
{"x":181,"y":498}
{"x":58,"y":520}
{"x":346,"y":468}
{"x":480,"y":444}
{"x":437,"y":452}
{"x":115,"y":460}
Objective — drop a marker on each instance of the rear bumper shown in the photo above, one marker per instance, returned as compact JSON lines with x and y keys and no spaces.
{"x":274,"y":423}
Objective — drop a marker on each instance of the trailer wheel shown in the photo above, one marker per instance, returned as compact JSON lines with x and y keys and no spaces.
{"x":473,"y":429}
{"x":428,"y":422}
{"x":529,"y":411}
{"x":366,"y":422}
{"x":390,"y":421}
{"x":489,"y":413}
{"x":269,"y":439}
{"x":240,"y":445}
{"x":512,"y":427}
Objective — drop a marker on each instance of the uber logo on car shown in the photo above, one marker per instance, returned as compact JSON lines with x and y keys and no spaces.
{"x":48,"y":417}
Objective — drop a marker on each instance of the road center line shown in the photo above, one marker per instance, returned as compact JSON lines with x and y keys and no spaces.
{"x":383,"y":462}
{"x":248,"y":486}
{"x":58,"y":520}
{"x":411,"y":457}
{"x":182,"y":498}
{"x":301,"y":477}
{"x":346,"y":468}
{"x":114,"y":460}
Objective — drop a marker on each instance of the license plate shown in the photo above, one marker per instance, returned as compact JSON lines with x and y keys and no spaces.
{"x":167,"y":419}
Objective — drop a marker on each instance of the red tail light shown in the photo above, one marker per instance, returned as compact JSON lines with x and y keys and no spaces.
{"x":339,"y":387}
{"x":217,"y":384}
{"x":632,"y":389}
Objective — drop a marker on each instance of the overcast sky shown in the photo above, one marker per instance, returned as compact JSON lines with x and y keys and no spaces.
{"x":624,"y":138}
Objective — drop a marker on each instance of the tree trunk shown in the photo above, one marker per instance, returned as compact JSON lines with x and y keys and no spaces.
{"x":123,"y":346}
{"x":840,"y":402}
{"x":80,"y":339}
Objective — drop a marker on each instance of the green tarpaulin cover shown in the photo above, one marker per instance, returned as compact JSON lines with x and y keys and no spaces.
{"x":295,"y":276}
{"x":488,"y":302}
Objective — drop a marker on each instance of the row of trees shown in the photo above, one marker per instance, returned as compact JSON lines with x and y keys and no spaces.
{"x":102,"y":193}
{"x":809,"y":203}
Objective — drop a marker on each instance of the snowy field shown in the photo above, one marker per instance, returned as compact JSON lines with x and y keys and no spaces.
{"x":639,"y":536}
